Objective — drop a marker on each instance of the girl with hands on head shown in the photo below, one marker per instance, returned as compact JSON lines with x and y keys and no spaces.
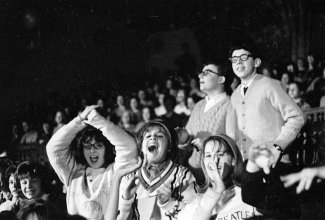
{"x":220,"y":195}
{"x":160,"y":184}
{"x":86,"y":153}
{"x":304,"y":178}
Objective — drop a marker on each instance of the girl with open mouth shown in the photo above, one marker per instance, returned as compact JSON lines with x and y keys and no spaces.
{"x":161,"y":184}
{"x":86,"y":154}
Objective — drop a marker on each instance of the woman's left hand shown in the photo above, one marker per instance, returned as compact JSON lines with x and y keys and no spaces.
{"x":216,"y":180}
{"x":84,"y":115}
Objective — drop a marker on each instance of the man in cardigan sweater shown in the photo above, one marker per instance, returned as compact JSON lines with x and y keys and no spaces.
{"x":265,"y":112}
{"x":210,"y":116}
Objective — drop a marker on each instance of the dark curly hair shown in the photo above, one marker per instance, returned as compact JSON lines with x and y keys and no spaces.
{"x":88,"y":134}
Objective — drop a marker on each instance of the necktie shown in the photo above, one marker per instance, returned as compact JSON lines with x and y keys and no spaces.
{"x":245,"y":89}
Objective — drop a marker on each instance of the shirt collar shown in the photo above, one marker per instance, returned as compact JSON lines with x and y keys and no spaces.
{"x":216,"y":97}
{"x":249,"y":81}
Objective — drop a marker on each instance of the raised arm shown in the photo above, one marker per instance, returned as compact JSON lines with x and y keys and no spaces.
{"x":125,"y":145}
{"x":58,"y":151}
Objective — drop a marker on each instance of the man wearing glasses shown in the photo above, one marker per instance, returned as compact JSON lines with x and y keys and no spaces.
{"x":211,"y":116}
{"x":265,"y":112}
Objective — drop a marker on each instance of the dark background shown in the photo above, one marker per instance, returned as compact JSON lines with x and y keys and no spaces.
{"x":71,"y":47}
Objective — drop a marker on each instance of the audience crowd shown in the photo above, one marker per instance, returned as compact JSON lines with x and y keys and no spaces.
{"x":182,"y":113}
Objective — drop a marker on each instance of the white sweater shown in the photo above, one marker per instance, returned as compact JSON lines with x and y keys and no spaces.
{"x":88,"y":190}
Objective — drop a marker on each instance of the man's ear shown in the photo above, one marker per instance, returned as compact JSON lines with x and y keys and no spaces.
{"x":258,"y":62}
{"x":222,"y":79}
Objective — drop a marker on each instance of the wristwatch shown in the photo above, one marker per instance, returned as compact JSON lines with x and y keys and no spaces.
{"x":278,"y":148}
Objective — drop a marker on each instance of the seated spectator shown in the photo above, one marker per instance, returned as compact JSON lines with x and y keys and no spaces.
{"x":191,"y":101}
{"x":147,"y":115}
{"x":13,"y":203}
{"x":59,"y":120}
{"x":31,"y":176}
{"x":286,"y":79}
{"x":30,"y":136}
{"x":126,"y":121}
{"x":296,"y":94}
{"x":143,"y":99}
{"x":160,"y":109}
{"x":135,"y":110}
{"x":45,"y":134}
{"x":120,"y":107}
{"x":174,"y":119}
{"x":181,"y":107}
{"x":195,"y":89}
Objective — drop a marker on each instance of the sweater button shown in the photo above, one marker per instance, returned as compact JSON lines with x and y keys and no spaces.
{"x":243,"y":103}
{"x":243,"y":127}
{"x":243,"y":114}
{"x":244,"y":139}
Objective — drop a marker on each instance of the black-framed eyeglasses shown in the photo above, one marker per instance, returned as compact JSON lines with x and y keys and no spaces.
{"x":96,"y":146}
{"x":242,"y":57}
{"x":205,"y":72}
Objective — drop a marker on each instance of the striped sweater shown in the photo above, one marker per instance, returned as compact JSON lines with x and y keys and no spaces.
{"x":145,"y":203}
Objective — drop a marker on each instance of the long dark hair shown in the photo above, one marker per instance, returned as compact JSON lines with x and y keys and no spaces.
{"x":87,"y":134}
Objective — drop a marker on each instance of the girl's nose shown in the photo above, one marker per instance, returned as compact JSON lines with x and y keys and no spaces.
{"x":92,"y":149}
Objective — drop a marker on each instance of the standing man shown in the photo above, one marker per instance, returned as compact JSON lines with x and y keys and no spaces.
{"x":265,"y":112}
{"x":210,"y":116}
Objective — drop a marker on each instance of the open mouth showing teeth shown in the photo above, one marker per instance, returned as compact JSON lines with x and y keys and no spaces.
{"x":94,"y":159}
{"x":152,"y":148}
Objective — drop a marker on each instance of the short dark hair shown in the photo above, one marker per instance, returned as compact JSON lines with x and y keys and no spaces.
{"x":9,"y":171}
{"x":250,"y":47}
{"x":87,"y":134}
{"x":220,"y":67}
{"x":30,"y":169}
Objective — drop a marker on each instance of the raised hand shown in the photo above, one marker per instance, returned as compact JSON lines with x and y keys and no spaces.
{"x":132,"y":184}
{"x":216,"y":180}
{"x":262,"y":156}
{"x":198,"y":143}
{"x":84,"y":115}
{"x":304,"y":178}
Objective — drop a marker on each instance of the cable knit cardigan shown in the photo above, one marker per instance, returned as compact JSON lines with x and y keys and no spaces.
{"x":88,"y":189}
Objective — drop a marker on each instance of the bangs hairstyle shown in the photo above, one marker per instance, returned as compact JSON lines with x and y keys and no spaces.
{"x":87,"y":134}
{"x":29,"y":169}
{"x":233,"y":150}
{"x":251,"y":48}
{"x":170,"y":132}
